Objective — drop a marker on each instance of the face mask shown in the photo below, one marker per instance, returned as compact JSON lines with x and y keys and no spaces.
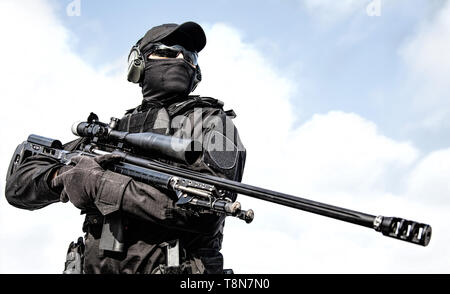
{"x":167,"y":80}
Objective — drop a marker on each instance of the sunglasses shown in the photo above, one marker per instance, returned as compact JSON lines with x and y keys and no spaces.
{"x":162,"y":50}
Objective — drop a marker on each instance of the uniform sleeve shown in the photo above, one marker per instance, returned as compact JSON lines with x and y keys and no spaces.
{"x":144,"y":202}
{"x":28,"y":187}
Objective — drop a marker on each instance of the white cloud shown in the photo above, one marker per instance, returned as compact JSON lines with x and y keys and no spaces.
{"x":347,"y":143}
{"x":46,"y":87}
{"x":430,"y":178}
{"x":236,"y":73}
{"x":425,"y":55}
{"x":337,"y":157}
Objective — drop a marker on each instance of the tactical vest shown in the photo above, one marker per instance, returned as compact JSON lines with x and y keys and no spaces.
{"x":154,"y":117}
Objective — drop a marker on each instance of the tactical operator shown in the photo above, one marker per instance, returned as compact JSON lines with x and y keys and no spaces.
{"x":164,"y":63}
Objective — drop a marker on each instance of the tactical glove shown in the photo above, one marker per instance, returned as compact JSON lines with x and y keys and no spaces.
{"x":81,"y":183}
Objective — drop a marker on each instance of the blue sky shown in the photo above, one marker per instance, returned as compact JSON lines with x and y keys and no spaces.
{"x":342,"y":60}
{"x":333,"y":105}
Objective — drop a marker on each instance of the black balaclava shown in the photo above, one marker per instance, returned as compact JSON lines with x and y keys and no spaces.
{"x":167,"y":80}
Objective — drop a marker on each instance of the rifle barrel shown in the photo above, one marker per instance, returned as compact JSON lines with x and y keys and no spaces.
{"x":394,"y":227}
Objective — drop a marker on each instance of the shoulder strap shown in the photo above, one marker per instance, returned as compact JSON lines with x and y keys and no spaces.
{"x":192,"y":102}
{"x":144,"y":106}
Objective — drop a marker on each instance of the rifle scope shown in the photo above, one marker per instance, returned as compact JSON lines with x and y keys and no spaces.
{"x":180,"y":149}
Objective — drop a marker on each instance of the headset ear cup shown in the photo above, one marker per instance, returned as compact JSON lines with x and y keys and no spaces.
{"x":135,"y":66}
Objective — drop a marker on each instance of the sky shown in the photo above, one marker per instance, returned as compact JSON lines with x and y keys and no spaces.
{"x":343,"y":102}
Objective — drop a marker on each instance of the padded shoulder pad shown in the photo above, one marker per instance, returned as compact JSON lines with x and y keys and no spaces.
{"x":220,"y":151}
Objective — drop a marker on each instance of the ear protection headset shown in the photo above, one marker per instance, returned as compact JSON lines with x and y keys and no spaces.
{"x":136,"y":66}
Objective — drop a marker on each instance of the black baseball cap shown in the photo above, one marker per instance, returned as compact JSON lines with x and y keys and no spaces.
{"x":190,"y":35}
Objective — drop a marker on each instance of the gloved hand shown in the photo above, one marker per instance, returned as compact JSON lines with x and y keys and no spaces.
{"x":80,"y":183}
